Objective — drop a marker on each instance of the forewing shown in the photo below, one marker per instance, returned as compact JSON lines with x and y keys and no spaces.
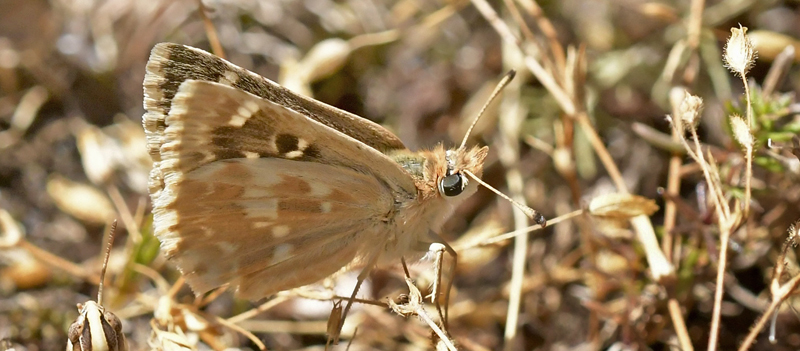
{"x":210,"y":122}
{"x":172,"y":64}
{"x":251,"y":193}
{"x":266,"y":225}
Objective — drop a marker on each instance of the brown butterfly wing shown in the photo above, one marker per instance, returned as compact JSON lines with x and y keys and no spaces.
{"x":251,"y":193}
{"x":172,"y":64}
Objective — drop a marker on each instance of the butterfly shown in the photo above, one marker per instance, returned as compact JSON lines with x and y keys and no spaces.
{"x":266,"y":190}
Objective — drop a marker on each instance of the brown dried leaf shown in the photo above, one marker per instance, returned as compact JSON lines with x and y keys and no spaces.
{"x":622,"y":206}
{"x":83,"y":202}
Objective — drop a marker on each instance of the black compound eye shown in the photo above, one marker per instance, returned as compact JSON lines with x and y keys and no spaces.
{"x":451,"y":185}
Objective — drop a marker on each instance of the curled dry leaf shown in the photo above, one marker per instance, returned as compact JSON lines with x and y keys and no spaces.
{"x":621,"y":206}
{"x":334,"y":321}
{"x":115,"y":148}
{"x":660,"y":12}
{"x":770,"y":44}
{"x":414,"y":304}
{"x":96,"y":154}
{"x":610,"y":262}
{"x":478,"y":255}
{"x":322,"y":60}
{"x":10,"y":232}
{"x":83,"y":202}
{"x":23,"y":271}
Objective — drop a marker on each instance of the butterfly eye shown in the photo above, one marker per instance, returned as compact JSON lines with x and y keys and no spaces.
{"x":451,"y":185}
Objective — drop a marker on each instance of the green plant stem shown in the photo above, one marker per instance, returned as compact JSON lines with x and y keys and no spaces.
{"x":749,"y":156}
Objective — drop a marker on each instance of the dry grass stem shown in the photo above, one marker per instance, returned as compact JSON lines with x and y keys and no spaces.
{"x":780,"y":292}
{"x":415,"y":307}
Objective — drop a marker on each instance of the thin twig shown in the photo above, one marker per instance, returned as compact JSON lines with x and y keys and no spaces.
{"x":544,"y":77}
{"x":749,"y":149}
{"x":720,"y":288}
{"x":508,"y":151}
{"x":670,"y":213}
{"x":255,"y":311}
{"x":548,"y":30}
{"x":211,"y":31}
{"x":695,"y":23}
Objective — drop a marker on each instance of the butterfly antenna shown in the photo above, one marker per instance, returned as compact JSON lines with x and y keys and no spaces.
{"x":105,"y":262}
{"x":503,"y":82}
{"x":531,"y":213}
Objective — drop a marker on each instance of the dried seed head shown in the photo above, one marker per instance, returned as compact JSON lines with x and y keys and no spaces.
{"x":739,"y":53}
{"x":794,"y":236}
{"x":741,"y":131}
{"x":689,"y":110}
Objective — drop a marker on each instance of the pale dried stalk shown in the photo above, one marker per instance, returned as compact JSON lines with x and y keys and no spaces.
{"x":739,"y":57}
{"x":12,"y":236}
{"x":211,"y":31}
{"x":779,"y":292}
{"x":415,"y":307}
{"x":695,"y":23}
{"x":544,"y":77}
{"x":725,"y":223}
{"x":749,"y":154}
{"x":548,"y":30}
{"x":725,"y":233}
{"x":784,"y":292}
{"x":689,"y":114}
{"x":742,"y":134}
{"x":508,"y":149}
{"x":659,"y":265}
{"x":670,"y":212}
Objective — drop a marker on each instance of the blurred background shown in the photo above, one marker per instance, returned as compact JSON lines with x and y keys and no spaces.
{"x":72,"y":159}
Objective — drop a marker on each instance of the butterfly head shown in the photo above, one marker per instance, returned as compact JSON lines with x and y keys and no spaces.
{"x":453,"y":179}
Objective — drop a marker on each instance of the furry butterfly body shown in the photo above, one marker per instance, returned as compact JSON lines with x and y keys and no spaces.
{"x":266,"y":190}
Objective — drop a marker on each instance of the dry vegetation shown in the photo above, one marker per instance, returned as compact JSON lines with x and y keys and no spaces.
{"x":612,"y":98}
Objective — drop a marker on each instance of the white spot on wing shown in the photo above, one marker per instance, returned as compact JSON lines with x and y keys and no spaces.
{"x":294,"y":154}
{"x":326,"y":207}
{"x":264,"y":209}
{"x":238,"y":119}
{"x":319,"y":189}
{"x":257,"y":225}
{"x":302,"y":144}
{"x":281,"y":253}
{"x":243,"y":113}
{"x":230,"y":78}
{"x":207,"y":157}
{"x":227,"y":247}
{"x":251,"y":105}
{"x":280,"y":231}
{"x":250,"y":154}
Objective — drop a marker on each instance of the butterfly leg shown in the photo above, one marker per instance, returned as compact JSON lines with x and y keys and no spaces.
{"x":451,"y":273}
{"x":361,"y":276}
